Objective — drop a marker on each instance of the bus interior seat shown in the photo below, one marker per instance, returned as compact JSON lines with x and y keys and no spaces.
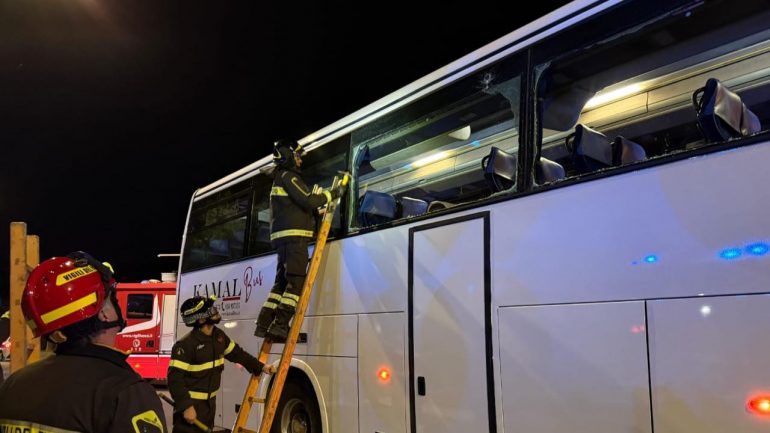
{"x":547,"y":171}
{"x":377,"y":208}
{"x":625,"y":151}
{"x":590,"y":149}
{"x":411,"y":207}
{"x":499,"y":169}
{"x":436,"y":205}
{"x":722,"y":115}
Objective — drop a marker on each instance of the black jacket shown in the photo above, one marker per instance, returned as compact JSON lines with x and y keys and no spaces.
{"x":197,"y":361}
{"x":292,"y":206}
{"x":81,"y":389}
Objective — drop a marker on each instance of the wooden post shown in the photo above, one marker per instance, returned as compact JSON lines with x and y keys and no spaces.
{"x":33,"y":259}
{"x":25,"y":255}
{"x":18,"y":280}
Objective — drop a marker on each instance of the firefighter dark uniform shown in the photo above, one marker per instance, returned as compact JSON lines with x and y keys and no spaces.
{"x":292,"y":224}
{"x":89,"y":388}
{"x":195,"y":369}
{"x":85,"y":387}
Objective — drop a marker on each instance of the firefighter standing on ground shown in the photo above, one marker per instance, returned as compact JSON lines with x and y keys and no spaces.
{"x":87,"y":386}
{"x":197,"y":361}
{"x":292,"y":222}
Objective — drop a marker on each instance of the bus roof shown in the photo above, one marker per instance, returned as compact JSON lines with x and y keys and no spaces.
{"x":493,"y":51}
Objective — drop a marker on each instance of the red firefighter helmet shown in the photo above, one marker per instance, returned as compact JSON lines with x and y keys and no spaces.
{"x":62,"y":291}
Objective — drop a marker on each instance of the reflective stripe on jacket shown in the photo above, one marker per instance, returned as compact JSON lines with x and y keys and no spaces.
{"x":292,"y":205}
{"x":197,"y":361}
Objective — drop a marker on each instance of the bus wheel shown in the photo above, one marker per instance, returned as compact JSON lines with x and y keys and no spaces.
{"x":297,"y":411}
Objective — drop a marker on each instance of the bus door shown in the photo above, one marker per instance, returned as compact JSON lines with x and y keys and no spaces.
{"x":450,"y":342}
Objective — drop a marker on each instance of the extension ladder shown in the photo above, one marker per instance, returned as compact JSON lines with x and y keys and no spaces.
{"x":249,"y":397}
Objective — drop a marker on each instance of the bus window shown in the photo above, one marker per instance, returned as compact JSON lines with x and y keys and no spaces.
{"x":321,"y":165}
{"x":428,"y":155}
{"x":611,"y":95}
{"x":217,"y":227}
{"x":259,"y":233}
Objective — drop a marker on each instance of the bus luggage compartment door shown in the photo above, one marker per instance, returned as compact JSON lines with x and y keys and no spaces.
{"x":450,"y":344}
{"x":708,"y":360}
{"x":577,"y":368}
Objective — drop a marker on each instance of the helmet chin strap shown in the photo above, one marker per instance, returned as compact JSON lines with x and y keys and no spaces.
{"x":210,"y":321}
{"x":120,"y":322}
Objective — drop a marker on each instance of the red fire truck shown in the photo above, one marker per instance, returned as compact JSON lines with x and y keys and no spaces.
{"x":149,"y":309}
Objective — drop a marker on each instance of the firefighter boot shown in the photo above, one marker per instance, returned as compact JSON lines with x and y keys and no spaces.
{"x":279,"y":329}
{"x":265,"y":318}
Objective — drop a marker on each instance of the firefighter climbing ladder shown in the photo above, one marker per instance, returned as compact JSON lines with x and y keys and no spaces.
{"x":274,"y":396}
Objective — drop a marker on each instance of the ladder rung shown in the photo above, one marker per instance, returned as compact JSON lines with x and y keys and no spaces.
{"x":245,"y":430}
{"x":256,"y":400}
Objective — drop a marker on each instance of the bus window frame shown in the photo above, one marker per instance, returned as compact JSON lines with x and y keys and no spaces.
{"x":550,"y":50}
{"x":518,"y":60}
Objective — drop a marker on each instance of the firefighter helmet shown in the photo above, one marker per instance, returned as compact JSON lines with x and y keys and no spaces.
{"x":284,"y":150}
{"x":63,"y":291}
{"x":198,"y":307}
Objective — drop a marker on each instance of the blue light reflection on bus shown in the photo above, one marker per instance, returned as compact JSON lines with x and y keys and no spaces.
{"x":754,"y":249}
{"x":730,"y":253}
{"x":651,"y":258}
{"x":757,"y":249}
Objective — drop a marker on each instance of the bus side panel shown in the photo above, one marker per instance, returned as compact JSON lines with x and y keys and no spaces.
{"x":708,"y":359}
{"x":363,"y":274}
{"x":338,"y":379}
{"x":332,"y":335}
{"x":653,"y":233}
{"x":383,"y":376}
{"x":575,"y":368}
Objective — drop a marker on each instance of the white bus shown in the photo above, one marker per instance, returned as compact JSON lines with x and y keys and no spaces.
{"x":566,"y":230}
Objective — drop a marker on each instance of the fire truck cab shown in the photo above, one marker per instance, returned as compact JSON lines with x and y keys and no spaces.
{"x":149,"y":309}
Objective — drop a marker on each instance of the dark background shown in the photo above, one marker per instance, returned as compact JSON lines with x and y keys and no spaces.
{"x":113,"y":112}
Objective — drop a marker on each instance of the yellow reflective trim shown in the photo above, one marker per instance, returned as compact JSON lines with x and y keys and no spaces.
{"x":270,"y":304}
{"x":195,"y":308}
{"x":195,"y":367}
{"x":74,"y":274}
{"x":276,"y":296}
{"x":291,"y":296}
{"x":6,"y":315}
{"x":289,"y":302}
{"x":13,"y":426}
{"x":294,"y":181}
{"x":148,"y":417}
{"x":230,"y":347}
{"x":292,"y":232}
{"x":109,"y":266}
{"x":277,"y":190}
{"x":69,"y":308}
{"x":328,"y":196}
{"x":203,"y":395}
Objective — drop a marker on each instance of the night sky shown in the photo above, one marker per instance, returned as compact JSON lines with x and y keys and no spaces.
{"x":113,"y":112}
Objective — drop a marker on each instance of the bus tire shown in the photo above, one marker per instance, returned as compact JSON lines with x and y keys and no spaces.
{"x":297,"y":411}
